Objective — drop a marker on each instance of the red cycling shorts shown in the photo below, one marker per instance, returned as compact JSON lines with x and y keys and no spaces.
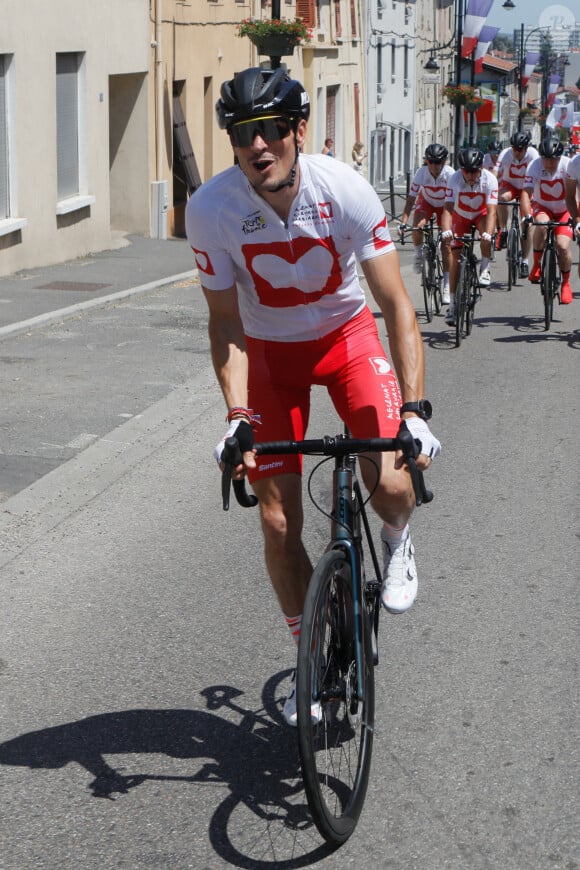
{"x":425,"y":209}
{"x":561,"y":217}
{"x":514,"y":192}
{"x":462,"y":226}
{"x":350,"y":362}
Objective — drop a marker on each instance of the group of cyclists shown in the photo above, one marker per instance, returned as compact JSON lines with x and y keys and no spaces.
{"x":543,"y":181}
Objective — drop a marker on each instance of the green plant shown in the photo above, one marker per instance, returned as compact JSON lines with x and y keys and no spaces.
{"x":294,"y":32}
{"x":459,"y":95}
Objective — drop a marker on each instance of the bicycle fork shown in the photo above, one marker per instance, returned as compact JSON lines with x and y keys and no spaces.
{"x":346,"y":536}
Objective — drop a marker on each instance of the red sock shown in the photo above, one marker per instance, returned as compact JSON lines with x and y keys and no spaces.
{"x":537,"y":258}
{"x":294,"y":623}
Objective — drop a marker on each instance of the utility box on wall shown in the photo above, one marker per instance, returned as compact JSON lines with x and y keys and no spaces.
{"x":159,"y":206}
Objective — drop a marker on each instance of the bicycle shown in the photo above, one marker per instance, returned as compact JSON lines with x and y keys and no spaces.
{"x":431,"y":268}
{"x":467,"y":292}
{"x":514,"y":245}
{"x":550,"y":271}
{"x":338,"y":647}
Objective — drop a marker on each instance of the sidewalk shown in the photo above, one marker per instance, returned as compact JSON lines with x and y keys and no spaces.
{"x":48,"y":294}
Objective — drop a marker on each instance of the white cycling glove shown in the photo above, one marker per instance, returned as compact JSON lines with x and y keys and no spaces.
{"x":447,"y":234}
{"x":245,"y":437}
{"x":419,"y":429}
{"x":486,"y":237}
{"x":577,"y":231}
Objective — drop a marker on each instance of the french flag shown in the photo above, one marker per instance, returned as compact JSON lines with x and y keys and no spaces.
{"x":530,"y":63}
{"x":476,"y":13}
{"x":486,"y":37}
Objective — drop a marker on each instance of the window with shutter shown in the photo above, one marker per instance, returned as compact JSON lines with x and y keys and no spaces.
{"x":67,"y":124}
{"x":353,"y":18}
{"x":306,"y":10}
{"x":337,"y":18}
{"x":4,"y":176}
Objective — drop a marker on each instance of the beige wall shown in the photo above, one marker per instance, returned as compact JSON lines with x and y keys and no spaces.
{"x":114,"y":37}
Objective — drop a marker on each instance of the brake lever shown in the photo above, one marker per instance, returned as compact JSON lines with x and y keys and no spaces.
{"x":232,"y":456}
{"x":410,"y":448}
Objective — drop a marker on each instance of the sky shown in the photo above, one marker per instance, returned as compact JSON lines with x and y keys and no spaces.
{"x":528,"y":12}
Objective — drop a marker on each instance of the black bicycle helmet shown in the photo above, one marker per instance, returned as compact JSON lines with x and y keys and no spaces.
{"x":520,"y":140}
{"x":494,"y":145}
{"x":436,"y":152}
{"x":551,"y":146}
{"x":257,"y":91}
{"x":470,"y":158}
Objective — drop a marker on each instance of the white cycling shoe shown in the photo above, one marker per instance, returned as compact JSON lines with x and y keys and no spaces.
{"x":400,"y":581}
{"x":289,"y":710}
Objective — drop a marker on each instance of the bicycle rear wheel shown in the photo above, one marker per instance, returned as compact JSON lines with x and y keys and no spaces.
{"x":548,"y":284}
{"x":427,"y":282}
{"x":438,"y":283}
{"x":335,"y":752}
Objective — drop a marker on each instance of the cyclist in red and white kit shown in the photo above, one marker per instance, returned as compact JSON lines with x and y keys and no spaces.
{"x":573,"y":196}
{"x":471,"y":198}
{"x":513,"y":165}
{"x":276,"y":238}
{"x":546,"y":182}
{"x":427,"y":196}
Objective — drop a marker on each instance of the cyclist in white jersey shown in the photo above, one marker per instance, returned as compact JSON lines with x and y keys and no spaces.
{"x":491,"y":159}
{"x":544,"y":194}
{"x":513,"y":165}
{"x":573,"y":196}
{"x":471,"y":199}
{"x":427,"y":196}
{"x":276,"y":239}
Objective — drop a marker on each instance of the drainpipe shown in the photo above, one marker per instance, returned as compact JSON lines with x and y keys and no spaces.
{"x":159,"y":192}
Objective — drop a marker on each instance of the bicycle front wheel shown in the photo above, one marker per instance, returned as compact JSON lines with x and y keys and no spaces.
{"x":335,"y":736}
{"x":427,"y":282}
{"x":461,"y":301}
{"x":548,"y":282}
{"x":512,"y":257}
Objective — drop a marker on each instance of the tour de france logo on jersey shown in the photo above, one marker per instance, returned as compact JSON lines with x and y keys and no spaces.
{"x":253,"y":222}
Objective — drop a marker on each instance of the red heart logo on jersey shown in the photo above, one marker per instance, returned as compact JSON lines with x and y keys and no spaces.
{"x":552,"y":191}
{"x":517,"y":170}
{"x":437,"y":193}
{"x":316,"y":258}
{"x":471,"y":201}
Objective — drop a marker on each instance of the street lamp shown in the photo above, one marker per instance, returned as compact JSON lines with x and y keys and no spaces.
{"x":522,"y":67}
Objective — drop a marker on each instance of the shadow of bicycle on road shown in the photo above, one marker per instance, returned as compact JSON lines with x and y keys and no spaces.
{"x":262,"y":823}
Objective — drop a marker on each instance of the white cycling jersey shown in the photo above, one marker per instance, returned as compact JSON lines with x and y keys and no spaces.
{"x":490,"y":164}
{"x":297,"y":281}
{"x":432,"y":189}
{"x":512,"y":171}
{"x":549,"y":188}
{"x":472,"y":200}
{"x":573,"y":171}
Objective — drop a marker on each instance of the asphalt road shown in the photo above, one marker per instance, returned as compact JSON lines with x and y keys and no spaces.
{"x":142,"y":656}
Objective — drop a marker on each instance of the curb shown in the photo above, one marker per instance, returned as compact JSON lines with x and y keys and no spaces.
{"x":101,"y":302}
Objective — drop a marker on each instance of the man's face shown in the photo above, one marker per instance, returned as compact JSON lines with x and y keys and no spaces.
{"x":471,"y":176}
{"x":435,"y":167}
{"x":266,"y":149}
{"x":550,"y":164}
{"x":519,"y":153}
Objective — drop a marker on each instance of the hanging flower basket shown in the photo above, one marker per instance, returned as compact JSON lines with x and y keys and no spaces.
{"x":275,"y":37}
{"x":463,"y":95}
